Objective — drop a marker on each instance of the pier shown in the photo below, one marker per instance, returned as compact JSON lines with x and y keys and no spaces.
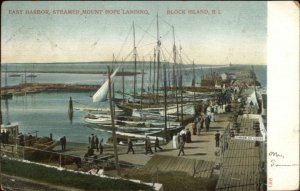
{"x":240,"y":162}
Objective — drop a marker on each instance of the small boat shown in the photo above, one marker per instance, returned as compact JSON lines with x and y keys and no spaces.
{"x":14,"y":75}
{"x":10,"y":125}
{"x":132,"y":123}
{"x":146,"y":114}
{"x":96,"y":111}
{"x":157,"y":123}
{"x":138,"y":129}
{"x":31,"y":76}
{"x":98,"y":119}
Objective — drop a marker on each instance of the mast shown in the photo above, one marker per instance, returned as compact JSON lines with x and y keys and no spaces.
{"x":169,"y":79}
{"x":181,"y":90}
{"x":70,"y":110}
{"x":154,"y":72}
{"x":150,"y":74}
{"x":194,"y":81}
{"x":165,"y":99}
{"x":158,"y":60}
{"x":202,"y":74}
{"x":123,"y":81}
{"x":25,"y":78}
{"x":7,"y":111}
{"x":174,"y":74}
{"x":113,"y":124}
{"x":134,"y":53}
{"x":142,"y":86}
{"x":5,"y":80}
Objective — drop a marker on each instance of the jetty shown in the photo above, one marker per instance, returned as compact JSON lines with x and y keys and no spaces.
{"x":28,"y":88}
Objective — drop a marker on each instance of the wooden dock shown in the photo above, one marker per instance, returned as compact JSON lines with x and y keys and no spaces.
{"x":193,"y":167}
{"x":240,"y":161}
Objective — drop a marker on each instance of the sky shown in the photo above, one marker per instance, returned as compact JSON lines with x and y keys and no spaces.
{"x":237,"y":34}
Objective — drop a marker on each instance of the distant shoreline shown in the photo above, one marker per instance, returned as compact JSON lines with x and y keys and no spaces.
{"x":126,"y":62}
{"x":76,"y":72}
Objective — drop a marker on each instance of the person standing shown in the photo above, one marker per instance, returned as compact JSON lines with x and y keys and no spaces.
{"x":202,"y":122}
{"x":101,"y":146}
{"x":217,"y":138}
{"x":181,"y":146}
{"x":207,"y":122}
{"x":184,"y":137}
{"x":65,"y":143}
{"x":97,"y":143}
{"x":157,"y":144}
{"x":148,"y":146}
{"x":194,"y":127}
{"x":188,"y":136}
{"x":199,"y":127}
{"x":62,"y":143}
{"x":21,"y":139}
{"x":212,"y":113}
{"x":30,"y":140}
{"x":93,"y":142}
{"x":90,"y":139}
{"x":130,"y":146}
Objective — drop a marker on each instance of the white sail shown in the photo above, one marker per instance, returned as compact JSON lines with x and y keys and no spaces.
{"x":101,"y":94}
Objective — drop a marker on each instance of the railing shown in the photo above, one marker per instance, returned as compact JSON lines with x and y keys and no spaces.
{"x":61,"y":160}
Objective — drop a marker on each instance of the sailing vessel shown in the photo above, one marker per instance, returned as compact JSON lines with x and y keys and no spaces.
{"x":155,"y":109}
{"x":100,"y":96}
{"x":32,"y":75}
{"x":15,"y":74}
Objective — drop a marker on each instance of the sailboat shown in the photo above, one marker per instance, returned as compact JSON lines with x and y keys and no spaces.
{"x":15,"y":74}
{"x":32,"y":75}
{"x":100,"y":96}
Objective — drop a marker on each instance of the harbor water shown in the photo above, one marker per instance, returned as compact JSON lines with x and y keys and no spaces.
{"x":47,"y":113}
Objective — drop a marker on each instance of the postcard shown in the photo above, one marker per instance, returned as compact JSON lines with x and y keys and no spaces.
{"x":128,"y":95}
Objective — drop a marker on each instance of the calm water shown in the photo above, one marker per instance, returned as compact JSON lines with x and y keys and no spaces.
{"x":47,"y":112}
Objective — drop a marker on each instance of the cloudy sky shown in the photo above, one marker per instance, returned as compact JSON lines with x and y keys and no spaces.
{"x":237,"y":35}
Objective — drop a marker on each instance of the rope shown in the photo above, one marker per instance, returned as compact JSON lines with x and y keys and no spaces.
{"x":145,"y":31}
{"x":124,"y":44}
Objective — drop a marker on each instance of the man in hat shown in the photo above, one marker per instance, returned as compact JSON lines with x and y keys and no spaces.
{"x":181,"y":146}
{"x":157,"y":144}
{"x":130,"y":146}
{"x":217,"y":138}
{"x":148,"y":146}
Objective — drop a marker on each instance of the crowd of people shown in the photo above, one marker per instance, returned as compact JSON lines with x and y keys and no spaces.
{"x":201,"y":123}
{"x":95,"y":144}
{"x":148,"y":146}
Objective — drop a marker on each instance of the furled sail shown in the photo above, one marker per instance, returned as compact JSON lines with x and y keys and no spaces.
{"x":101,"y":94}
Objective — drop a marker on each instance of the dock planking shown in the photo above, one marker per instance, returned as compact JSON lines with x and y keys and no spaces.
{"x":193,"y":167}
{"x":239,"y":170}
